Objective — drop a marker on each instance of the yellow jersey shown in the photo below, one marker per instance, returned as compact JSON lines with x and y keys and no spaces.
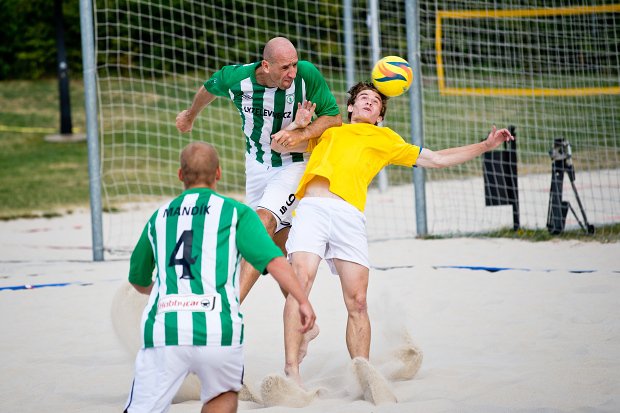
{"x":351,"y":155}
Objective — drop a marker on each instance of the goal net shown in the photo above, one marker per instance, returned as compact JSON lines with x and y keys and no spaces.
{"x":551,"y":71}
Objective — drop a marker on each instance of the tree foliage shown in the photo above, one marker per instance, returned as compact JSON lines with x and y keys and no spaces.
{"x":180,"y":35}
{"x":28,"y":38}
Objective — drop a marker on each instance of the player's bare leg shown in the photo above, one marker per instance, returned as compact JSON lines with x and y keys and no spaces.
{"x":280,"y":239}
{"x":249,"y":274}
{"x":354,"y":280}
{"x":224,"y":403}
{"x":305,"y":265}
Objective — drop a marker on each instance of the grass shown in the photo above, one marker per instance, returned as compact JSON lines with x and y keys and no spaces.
{"x":607,"y":234}
{"x":39,"y":178}
{"x":604,"y":235}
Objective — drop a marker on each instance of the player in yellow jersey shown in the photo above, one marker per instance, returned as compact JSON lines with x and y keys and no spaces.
{"x":329,"y":222}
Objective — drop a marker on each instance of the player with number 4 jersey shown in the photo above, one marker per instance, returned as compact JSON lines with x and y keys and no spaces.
{"x":187,"y":260}
{"x":196,"y":240}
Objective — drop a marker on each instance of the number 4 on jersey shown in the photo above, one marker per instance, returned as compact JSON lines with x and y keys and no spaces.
{"x":186,"y":239}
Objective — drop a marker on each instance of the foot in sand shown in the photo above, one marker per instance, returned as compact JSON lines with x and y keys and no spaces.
{"x":281,"y":391}
{"x":308,"y":337}
{"x":374,"y":386}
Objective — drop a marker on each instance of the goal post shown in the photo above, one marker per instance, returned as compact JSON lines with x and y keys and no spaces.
{"x":92,"y":134}
{"x":588,"y":86}
{"x":153,"y":56}
{"x":550,"y":70}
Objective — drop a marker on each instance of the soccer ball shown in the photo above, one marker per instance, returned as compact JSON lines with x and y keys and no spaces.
{"x":392,"y":76}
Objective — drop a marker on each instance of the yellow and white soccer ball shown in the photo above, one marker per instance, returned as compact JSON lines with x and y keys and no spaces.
{"x":392,"y":76}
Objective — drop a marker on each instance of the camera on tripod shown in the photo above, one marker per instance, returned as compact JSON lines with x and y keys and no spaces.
{"x":561,"y":150}
{"x":562,"y":157}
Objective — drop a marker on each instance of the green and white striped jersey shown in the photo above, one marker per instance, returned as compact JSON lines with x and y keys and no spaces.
{"x":194,"y":243}
{"x":265,"y":111}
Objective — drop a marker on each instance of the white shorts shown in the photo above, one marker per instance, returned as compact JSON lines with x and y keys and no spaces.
{"x":273,"y":189}
{"x":330,"y":228}
{"x":160,"y":371}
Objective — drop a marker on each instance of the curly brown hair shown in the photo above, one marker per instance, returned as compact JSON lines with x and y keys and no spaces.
{"x":358,"y":87}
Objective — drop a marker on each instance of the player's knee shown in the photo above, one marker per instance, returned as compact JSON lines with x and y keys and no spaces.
{"x":358,"y":305}
{"x":305,"y":273}
{"x":303,"y":276}
{"x":268,"y":220}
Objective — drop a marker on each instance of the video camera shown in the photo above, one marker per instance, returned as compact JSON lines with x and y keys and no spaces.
{"x":561,"y":150}
{"x":562,"y":157}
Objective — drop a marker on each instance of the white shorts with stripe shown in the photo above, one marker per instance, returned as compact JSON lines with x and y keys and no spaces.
{"x":330,"y":228}
{"x":160,"y":371}
{"x":273,"y":189}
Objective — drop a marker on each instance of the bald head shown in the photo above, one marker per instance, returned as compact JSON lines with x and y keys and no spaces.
{"x":200,"y":166}
{"x":279,"y":65}
{"x":279,"y":48}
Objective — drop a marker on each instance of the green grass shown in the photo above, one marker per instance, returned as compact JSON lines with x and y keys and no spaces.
{"x":606,"y":234}
{"x":39,"y":178}
{"x":602,"y":234}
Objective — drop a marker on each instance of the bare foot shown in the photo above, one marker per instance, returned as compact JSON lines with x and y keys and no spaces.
{"x":308,"y":337}
{"x":293,"y":375}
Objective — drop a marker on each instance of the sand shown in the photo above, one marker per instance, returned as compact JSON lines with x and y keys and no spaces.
{"x":503,"y":326}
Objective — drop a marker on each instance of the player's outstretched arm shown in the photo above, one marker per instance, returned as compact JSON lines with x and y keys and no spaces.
{"x":497,"y":137}
{"x":461,"y":154}
{"x":283,"y":273}
{"x":185,"y":119}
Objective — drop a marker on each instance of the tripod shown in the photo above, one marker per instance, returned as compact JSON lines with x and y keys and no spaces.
{"x":556,"y":214}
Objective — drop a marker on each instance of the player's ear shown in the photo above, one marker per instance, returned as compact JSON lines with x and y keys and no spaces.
{"x":218,"y":174}
{"x":180,"y":174}
{"x":350,"y":108}
{"x":265,"y":65}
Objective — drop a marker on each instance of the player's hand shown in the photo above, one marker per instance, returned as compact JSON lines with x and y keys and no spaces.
{"x":497,"y":137}
{"x":287,"y":139}
{"x":307,"y":316}
{"x":276,"y":147}
{"x":304,"y":113}
{"x":184,"y":121}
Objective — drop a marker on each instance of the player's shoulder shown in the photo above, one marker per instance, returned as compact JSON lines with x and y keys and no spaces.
{"x":390,"y":133}
{"x":236,"y":72}
{"x":345,"y":128}
{"x":304,"y":67}
{"x":369,"y":129}
{"x":363,"y":128}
